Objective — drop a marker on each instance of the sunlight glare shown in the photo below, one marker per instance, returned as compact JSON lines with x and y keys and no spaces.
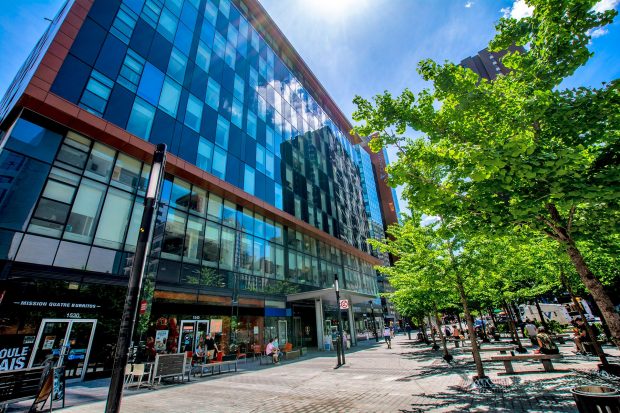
{"x":334,"y":8}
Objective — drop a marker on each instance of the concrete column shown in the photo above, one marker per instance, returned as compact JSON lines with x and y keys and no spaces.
{"x":352,"y":324}
{"x":318,"y":309}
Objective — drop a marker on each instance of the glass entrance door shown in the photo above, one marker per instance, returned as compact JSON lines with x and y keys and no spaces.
{"x":68,"y":340}
{"x":193,"y":333}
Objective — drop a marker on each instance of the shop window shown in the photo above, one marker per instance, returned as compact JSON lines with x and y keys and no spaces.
{"x":192,"y":250}
{"x":219,"y":163}
{"x":170,"y":95}
{"x":100,"y":162}
{"x":177,"y":65}
{"x":222,"y":132}
{"x":141,"y":119}
{"x":124,"y":23}
{"x":172,"y":246}
{"x":248,"y":180}
{"x":114,"y":219}
{"x":131,"y":71}
{"x":211,"y":245}
{"x":37,"y":250}
{"x":227,"y":248}
{"x":193,"y":113}
{"x":168,"y":23}
{"x":126,"y":172}
{"x":203,"y":57}
{"x":213,"y":94}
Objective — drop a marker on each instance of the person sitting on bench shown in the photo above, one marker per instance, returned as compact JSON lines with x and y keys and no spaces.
{"x":547,"y":346}
{"x":272,"y":351}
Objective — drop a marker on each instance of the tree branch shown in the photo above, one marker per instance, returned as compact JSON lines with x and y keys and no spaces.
{"x":571,"y":214}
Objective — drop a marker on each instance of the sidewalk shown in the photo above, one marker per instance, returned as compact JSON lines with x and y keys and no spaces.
{"x":408,"y":378}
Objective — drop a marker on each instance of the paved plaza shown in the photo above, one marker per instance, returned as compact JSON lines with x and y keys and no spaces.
{"x":408,"y":378}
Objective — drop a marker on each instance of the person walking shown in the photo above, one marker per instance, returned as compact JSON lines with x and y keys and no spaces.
{"x":387,"y":336}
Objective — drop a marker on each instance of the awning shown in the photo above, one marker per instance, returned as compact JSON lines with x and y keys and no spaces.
{"x":328,"y":295}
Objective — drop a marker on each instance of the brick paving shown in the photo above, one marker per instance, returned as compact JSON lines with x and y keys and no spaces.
{"x":409,"y":378}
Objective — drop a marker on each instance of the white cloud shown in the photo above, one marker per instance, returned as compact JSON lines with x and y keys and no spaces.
{"x":469,"y":4}
{"x":604,"y":5}
{"x":598,"y":32}
{"x":519,"y":10}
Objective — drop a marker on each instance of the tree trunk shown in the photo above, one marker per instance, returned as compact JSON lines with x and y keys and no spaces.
{"x":446,"y":353}
{"x":514,"y":327}
{"x":483,"y":326}
{"x":604,"y":325}
{"x":593,"y":338}
{"x":541,"y":315}
{"x":472,"y":334}
{"x":498,"y":335}
{"x":423,"y":328}
{"x":458,"y":318}
{"x":516,"y":312}
{"x":597,"y":291}
{"x":430,"y":324}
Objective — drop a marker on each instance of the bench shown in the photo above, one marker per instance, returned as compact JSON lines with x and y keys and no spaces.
{"x":502,"y":350}
{"x":19,"y":385}
{"x":545,"y":359}
{"x":228,"y":361}
{"x":265,"y":359}
{"x":292,"y":354}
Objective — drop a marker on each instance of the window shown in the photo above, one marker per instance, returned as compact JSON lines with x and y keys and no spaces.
{"x":211,"y":12}
{"x":213,"y":94}
{"x":248,"y":181}
{"x":198,"y":202}
{"x":236,"y":116}
{"x":172,"y":245}
{"x":126,"y":172}
{"x":219,"y":163}
{"x":193,"y":114}
{"x":177,"y":65}
{"x":259,"y":256}
{"x":100,"y":162}
{"x":175,"y":6}
{"x":81,"y":223}
{"x":278,"y":196}
{"x":225,"y":7}
{"x":232,"y":35}
{"x":262,"y":109}
{"x":114,"y":219}
{"x":246,"y":253}
{"x":95,"y":96}
{"x":231,"y":55}
{"x":279,"y":262}
{"x":192,"y":250}
{"x":208,"y":31}
{"x":260,"y":158}
{"x":124,"y":23}
{"x":141,"y":119}
{"x":203,"y":56}
{"x":219,"y":45}
{"x":204,"y":158}
{"x":211,"y":245}
{"x":170,"y":95}
{"x":168,"y":23}
{"x":150,"y":84}
{"x":214,"y":211}
{"x":269,"y":165}
{"x":180,"y":194}
{"x":183,"y":39}
{"x":253,"y":78}
{"x":134,"y":225}
{"x":227,"y":248}
{"x":222,"y":132}
{"x":229,"y":214}
{"x":239,"y":87}
{"x":151,"y":11}
{"x":251,"y":124}
{"x":131,"y":71}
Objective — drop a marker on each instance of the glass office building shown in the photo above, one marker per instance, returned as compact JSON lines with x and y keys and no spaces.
{"x":262,"y":202}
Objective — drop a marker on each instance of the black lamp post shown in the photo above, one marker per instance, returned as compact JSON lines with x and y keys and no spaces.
{"x":339,"y":346}
{"x":374,"y":321}
{"x":136,"y":275}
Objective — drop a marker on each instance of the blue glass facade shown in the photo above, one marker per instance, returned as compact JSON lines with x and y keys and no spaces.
{"x":194,"y":74}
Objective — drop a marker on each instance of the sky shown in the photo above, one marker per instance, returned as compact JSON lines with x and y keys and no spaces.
{"x":355,"y":47}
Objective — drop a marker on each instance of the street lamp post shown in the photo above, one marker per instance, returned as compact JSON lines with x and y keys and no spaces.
{"x":134,"y":285}
{"x":374,"y":321}
{"x":339,"y":346}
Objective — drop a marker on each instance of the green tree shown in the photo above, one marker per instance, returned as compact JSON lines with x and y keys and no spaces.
{"x":519,"y":150}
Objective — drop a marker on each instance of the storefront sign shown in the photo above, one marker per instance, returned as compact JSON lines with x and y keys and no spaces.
{"x":55,"y":304}
{"x":216,"y":326}
{"x":255,"y":329}
{"x":143,"y":305}
{"x":13,"y":358}
{"x":344,"y":304}
{"x":161,"y":336}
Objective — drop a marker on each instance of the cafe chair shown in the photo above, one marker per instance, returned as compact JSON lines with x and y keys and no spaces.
{"x":257,"y":351}
{"x":135,"y":372}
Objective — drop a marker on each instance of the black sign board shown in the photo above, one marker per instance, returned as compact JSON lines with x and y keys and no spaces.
{"x":169,"y":365}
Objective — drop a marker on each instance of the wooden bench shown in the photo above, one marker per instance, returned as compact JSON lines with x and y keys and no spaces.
{"x":502,"y":350}
{"x":228,"y":361}
{"x":545,"y":359}
{"x":19,"y":385}
{"x":265,"y":359}
{"x":293,"y":354}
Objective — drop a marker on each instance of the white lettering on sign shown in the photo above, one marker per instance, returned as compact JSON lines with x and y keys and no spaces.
{"x":55,"y":304}
{"x":344,"y":304}
{"x":13,"y":358}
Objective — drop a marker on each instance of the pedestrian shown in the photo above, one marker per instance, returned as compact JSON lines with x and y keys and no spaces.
{"x":456,"y":333}
{"x":408,"y":329}
{"x":447,"y":331}
{"x":547,"y":346}
{"x":211,"y":347}
{"x":272,"y":350}
{"x":580,"y":336}
{"x":531,"y":331}
{"x":387,"y":335}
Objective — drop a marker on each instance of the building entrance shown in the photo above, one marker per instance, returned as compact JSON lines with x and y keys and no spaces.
{"x":68,"y":339}
{"x":193,"y":333}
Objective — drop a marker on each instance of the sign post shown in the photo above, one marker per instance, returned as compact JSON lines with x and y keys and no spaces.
{"x":339,"y":346}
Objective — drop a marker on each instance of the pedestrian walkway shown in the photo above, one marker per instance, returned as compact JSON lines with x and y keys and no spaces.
{"x":408,"y":378}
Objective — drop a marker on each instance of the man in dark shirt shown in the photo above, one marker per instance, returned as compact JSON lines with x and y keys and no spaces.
{"x":211,"y":347}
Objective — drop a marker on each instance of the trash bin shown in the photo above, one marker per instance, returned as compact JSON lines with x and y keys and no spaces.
{"x":596,"y":399}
